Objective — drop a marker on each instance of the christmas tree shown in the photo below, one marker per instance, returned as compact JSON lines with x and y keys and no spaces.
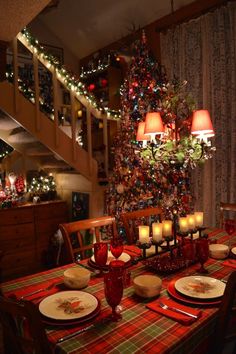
{"x":139,"y":180}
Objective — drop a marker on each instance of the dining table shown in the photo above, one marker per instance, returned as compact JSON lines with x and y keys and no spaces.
{"x":140,"y":330}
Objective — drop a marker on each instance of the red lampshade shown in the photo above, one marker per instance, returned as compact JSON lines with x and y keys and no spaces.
{"x":153,"y":124}
{"x":201,"y":124}
{"x":140,"y":133}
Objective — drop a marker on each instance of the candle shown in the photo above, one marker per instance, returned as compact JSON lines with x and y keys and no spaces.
{"x":191,"y":221}
{"x":143,"y":234}
{"x":156,"y":231}
{"x":198,"y":218}
{"x":183,"y":224}
{"x":167,"y":228}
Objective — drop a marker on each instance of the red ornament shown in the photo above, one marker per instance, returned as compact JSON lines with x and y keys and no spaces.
{"x":20,"y":184}
{"x":91,"y":87}
{"x":104,"y":82}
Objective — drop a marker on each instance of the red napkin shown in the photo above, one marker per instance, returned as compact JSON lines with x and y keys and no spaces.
{"x":230,"y":263}
{"x":132,"y":250}
{"x":34,"y":287}
{"x":179,"y":317}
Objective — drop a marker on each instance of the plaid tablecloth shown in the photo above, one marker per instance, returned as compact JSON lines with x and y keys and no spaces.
{"x":140,"y":330}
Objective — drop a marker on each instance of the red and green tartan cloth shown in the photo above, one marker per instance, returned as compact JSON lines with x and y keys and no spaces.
{"x":140,"y":330}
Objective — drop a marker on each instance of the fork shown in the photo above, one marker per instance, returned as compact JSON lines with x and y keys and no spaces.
{"x":49,"y":287}
{"x":175,"y":309}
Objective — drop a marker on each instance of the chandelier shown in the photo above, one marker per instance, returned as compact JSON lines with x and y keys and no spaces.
{"x":164,"y":144}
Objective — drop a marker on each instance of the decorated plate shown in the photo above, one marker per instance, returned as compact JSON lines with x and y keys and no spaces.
{"x":233,"y":250}
{"x":200,"y":287}
{"x":188,"y":300}
{"x":72,"y":322}
{"x":125,"y":257}
{"x":68,"y":305}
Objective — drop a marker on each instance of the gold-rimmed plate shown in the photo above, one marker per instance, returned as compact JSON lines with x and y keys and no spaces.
{"x":200,"y":287}
{"x":68,"y":305}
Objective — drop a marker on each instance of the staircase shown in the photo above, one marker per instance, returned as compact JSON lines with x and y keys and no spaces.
{"x":46,"y":130}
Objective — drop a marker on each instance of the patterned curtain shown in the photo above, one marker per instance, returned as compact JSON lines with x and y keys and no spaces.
{"x":203,"y":52}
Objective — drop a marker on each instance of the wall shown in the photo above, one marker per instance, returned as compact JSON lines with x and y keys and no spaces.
{"x":72,"y":182}
{"x":44,"y":35}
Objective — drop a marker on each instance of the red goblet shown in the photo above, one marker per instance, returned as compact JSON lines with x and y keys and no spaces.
{"x":202,"y":250}
{"x":100,"y":254}
{"x":189,"y":251}
{"x":230,"y":226}
{"x":116,"y":247}
{"x":113,"y":286}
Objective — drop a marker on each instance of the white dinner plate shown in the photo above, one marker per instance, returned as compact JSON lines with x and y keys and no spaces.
{"x":50,"y":306}
{"x":233,"y":250}
{"x":200,"y":287}
{"x":125,"y":257}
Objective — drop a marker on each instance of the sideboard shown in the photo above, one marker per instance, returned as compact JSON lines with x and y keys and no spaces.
{"x":25,"y":235}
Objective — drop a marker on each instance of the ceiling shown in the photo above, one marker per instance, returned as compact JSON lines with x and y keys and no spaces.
{"x":16,"y":10}
{"x":86,"y":26}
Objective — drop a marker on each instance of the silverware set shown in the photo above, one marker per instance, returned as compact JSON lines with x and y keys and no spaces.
{"x":49,"y":287}
{"x":176,"y":309}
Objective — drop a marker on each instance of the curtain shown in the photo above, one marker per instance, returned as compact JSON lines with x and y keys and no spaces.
{"x":203,"y":52}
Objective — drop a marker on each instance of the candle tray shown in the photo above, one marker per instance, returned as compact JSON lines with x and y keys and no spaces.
{"x":166,"y":263}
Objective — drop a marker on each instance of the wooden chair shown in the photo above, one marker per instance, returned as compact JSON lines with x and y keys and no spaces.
{"x":225,"y":330}
{"x":13,"y":314}
{"x":138,"y":217}
{"x":224,"y":208}
{"x":74,"y":234}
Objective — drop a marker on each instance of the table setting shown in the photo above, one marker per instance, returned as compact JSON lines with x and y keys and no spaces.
{"x":178,"y":302}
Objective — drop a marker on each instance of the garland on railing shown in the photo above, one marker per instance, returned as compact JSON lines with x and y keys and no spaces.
{"x":69,"y":80}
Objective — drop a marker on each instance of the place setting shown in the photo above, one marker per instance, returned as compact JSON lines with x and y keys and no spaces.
{"x":104,"y":254}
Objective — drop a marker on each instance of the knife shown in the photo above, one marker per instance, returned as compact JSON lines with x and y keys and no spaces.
{"x":62,"y":339}
{"x":102,"y":321}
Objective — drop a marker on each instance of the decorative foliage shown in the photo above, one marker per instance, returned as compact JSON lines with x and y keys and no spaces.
{"x":68,"y":79}
{"x":42,"y":185}
{"x":5,"y":149}
{"x":158,"y":174}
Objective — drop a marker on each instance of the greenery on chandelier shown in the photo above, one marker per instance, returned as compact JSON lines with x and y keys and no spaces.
{"x":177,"y":146}
{"x":70,"y":81}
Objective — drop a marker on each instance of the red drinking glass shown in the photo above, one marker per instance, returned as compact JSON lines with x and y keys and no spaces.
{"x":189,"y":251}
{"x":230,"y":226}
{"x":119,"y":267}
{"x":100,"y":254}
{"x":116,"y":247}
{"x":113,"y":287}
{"x":202,"y":250}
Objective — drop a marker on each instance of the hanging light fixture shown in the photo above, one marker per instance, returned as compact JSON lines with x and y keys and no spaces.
{"x":201,"y":125}
{"x":153,"y":125}
{"x":188,"y":149}
{"x":140,"y":134}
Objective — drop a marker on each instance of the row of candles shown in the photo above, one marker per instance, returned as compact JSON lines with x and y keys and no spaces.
{"x":164,"y":229}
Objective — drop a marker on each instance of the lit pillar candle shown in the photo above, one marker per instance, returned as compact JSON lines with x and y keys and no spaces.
{"x":143,"y":234}
{"x":166,"y":228}
{"x":183,"y":224}
{"x":198,"y":218}
{"x":156,"y":231}
{"x":191,"y":221}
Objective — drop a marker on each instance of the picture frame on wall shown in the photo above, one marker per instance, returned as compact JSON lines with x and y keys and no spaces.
{"x":80,"y":206}
{"x":55,"y":51}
